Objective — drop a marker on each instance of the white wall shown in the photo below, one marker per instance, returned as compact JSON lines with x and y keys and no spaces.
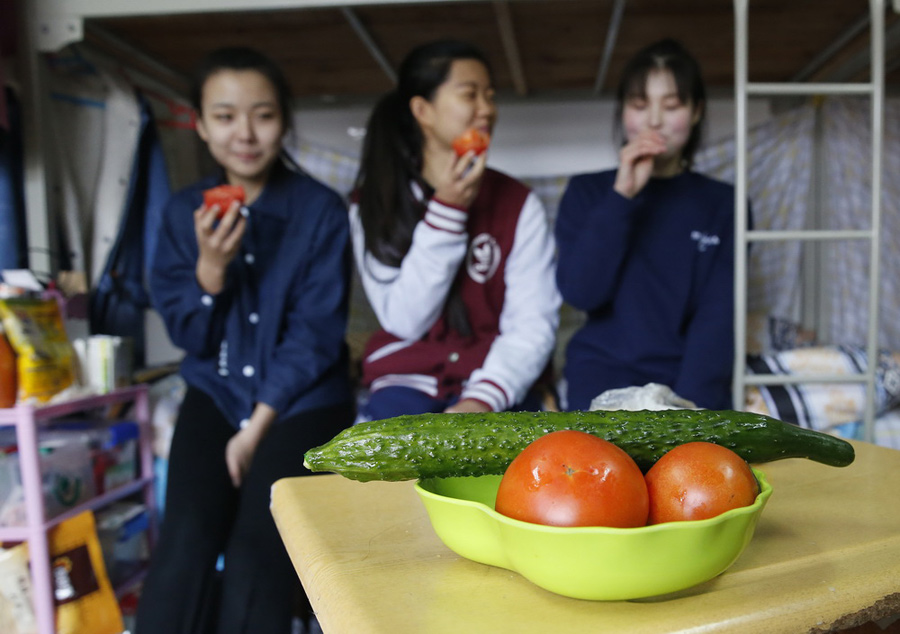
{"x":530,"y":139}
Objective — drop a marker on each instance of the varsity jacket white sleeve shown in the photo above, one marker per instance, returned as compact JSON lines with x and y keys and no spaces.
{"x":529,"y":318}
{"x":408,"y":300}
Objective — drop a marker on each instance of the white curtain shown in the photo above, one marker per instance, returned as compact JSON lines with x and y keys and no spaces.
{"x":847,"y":146}
{"x":779,"y":164}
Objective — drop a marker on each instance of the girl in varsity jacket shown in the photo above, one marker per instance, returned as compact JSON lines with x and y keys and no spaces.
{"x":647,"y":250}
{"x":456,"y":259}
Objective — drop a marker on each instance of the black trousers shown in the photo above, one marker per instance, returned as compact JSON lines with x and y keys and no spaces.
{"x":206,"y":516}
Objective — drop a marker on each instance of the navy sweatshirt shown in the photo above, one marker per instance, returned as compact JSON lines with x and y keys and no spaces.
{"x":655,"y":275}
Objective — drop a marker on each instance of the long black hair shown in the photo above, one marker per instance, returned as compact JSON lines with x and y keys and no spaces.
{"x":669,"y":55}
{"x":241,"y":58}
{"x":392,"y":160}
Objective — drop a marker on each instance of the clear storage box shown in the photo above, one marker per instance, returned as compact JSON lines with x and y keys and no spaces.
{"x":78,"y":460}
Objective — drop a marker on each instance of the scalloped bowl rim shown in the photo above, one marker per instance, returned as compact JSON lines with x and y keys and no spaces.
{"x":765,"y":490}
{"x":575,"y":561}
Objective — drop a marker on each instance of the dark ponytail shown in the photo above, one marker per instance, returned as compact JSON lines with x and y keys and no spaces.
{"x":392,"y":161}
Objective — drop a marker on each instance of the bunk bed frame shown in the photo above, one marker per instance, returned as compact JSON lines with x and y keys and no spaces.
{"x":874,"y":90}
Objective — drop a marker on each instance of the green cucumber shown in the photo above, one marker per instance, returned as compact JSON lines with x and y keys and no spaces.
{"x":445,"y":445}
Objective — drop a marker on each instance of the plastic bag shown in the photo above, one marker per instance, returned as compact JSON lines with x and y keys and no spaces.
{"x":45,"y":357}
{"x":16,"y":605}
{"x":85,"y":601}
{"x":653,"y":396}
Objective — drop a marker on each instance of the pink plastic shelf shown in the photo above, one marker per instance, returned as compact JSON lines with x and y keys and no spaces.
{"x":26,"y":419}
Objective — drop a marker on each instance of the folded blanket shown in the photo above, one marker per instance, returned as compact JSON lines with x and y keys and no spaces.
{"x":823,"y":406}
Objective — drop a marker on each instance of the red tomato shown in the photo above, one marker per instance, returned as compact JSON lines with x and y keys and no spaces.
{"x":223,"y":196}
{"x":570,"y":478}
{"x":471,"y":139}
{"x":698,"y":480}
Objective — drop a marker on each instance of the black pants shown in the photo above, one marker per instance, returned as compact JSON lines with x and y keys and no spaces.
{"x":206,"y":516}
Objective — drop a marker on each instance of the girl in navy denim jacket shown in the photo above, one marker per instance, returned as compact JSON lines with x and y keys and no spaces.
{"x":257,"y":298}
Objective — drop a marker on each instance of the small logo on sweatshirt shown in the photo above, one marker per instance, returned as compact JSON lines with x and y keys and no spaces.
{"x":704,"y":240}
{"x":483,"y":258}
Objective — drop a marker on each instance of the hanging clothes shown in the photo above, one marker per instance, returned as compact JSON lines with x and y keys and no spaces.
{"x":13,"y":249}
{"x":113,"y":183}
{"x":95,"y":117}
{"x":120,"y":297}
{"x":186,"y":153}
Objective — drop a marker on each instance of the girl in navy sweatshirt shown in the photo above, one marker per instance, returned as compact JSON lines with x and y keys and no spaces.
{"x":647,"y":250}
{"x":456,"y":259}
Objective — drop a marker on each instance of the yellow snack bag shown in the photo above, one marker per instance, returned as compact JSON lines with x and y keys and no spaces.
{"x":45,"y":357}
{"x":85,"y":601}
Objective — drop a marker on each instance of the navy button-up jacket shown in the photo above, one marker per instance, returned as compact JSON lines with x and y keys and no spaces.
{"x":275,"y":334}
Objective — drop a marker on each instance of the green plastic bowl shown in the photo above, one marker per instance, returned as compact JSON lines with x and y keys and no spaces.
{"x":589,"y":562}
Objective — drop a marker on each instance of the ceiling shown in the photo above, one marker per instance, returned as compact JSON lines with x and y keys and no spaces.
{"x":538,"y":48}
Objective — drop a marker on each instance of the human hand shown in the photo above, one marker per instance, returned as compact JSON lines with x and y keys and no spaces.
{"x":239,"y":454}
{"x":459,"y":184}
{"x":636,"y":162}
{"x":218,"y":244}
{"x":467,"y":405}
{"x":241,"y":448}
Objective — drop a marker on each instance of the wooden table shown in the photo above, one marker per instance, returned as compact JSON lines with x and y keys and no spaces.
{"x":826,"y":555}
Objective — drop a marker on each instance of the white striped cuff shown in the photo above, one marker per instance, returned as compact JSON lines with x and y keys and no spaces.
{"x":446,"y":218}
{"x":488,"y":392}
{"x":421,"y":382}
{"x":388,"y":349}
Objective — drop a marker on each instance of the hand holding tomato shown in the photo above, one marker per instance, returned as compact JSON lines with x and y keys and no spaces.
{"x":472,"y":140}
{"x":457,"y":182}
{"x":223,"y":196}
{"x":219,"y":235}
{"x":571,"y":478}
{"x":698,"y":480}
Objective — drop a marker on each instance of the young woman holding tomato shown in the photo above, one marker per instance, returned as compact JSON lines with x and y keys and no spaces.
{"x":647,"y":250}
{"x":257,"y":298}
{"x":456,"y":259}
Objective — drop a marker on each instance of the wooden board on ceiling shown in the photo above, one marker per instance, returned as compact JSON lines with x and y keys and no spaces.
{"x":560,"y":42}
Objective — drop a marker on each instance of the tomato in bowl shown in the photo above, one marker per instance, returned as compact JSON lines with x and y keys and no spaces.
{"x":698,"y":480}
{"x":571,"y":478}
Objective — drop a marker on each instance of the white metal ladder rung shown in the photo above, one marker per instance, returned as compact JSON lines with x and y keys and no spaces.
{"x":809,"y":89}
{"x":810,"y":235}
{"x":792,"y":379}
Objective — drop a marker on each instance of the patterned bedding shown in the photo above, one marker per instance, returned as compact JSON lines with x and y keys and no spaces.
{"x":837,"y":408}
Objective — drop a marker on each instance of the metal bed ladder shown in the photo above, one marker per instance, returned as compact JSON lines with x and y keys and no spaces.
{"x":874,"y":89}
